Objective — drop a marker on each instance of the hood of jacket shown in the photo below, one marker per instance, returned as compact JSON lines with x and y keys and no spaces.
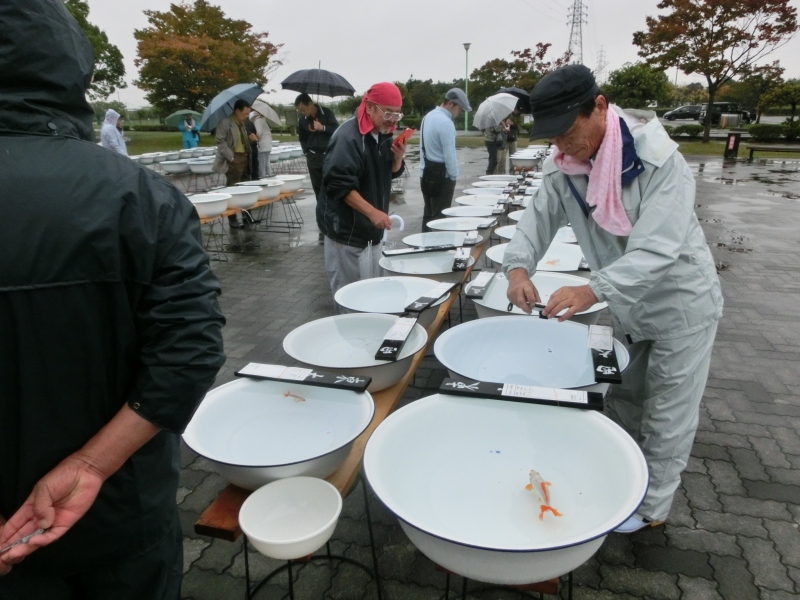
{"x":112,"y":117}
{"x":43,"y":85}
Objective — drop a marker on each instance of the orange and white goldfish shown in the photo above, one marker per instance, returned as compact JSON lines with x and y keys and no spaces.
{"x":539,"y":485}
{"x":295,"y":396}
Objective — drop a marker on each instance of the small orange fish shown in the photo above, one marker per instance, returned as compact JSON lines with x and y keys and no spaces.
{"x":539,"y":485}
{"x":295,"y":396}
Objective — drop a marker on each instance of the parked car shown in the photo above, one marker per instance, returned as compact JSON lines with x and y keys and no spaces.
{"x":690,"y":111}
{"x":721,"y":108}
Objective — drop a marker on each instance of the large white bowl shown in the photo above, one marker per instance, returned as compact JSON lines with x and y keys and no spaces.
{"x":291,"y":518}
{"x":502,"y":178}
{"x":348,"y":344}
{"x":242,"y":196}
{"x":209,"y":151}
{"x":566,"y":236}
{"x":454,"y":470}
{"x":175,"y":166}
{"x":269,"y":188}
{"x":484,"y":191}
{"x":516,"y":215}
{"x":524,"y":350}
{"x":389,"y":295}
{"x":506,"y":232}
{"x":479,"y":200}
{"x":210,"y":205}
{"x":146,"y":159}
{"x":460,"y":224}
{"x":488,"y":184}
{"x":525,"y":162}
{"x":255,"y":432}
{"x":186,"y":153}
{"x":468,"y":211}
{"x":495,"y":301}
{"x":291,"y":183}
{"x":438,"y":238}
{"x":433,"y":265}
{"x":159,"y":157}
{"x":297,"y":152}
{"x":173,"y":155}
{"x":201,"y":166}
{"x":559,"y":258}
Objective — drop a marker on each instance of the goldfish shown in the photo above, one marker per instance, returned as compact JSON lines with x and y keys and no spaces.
{"x":295,"y":396}
{"x":539,"y":485}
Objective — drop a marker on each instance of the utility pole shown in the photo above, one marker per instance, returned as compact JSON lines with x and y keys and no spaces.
{"x":578,"y":15}
{"x":599,"y":71}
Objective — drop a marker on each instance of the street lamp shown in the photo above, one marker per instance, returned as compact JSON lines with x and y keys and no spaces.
{"x":466,"y":81}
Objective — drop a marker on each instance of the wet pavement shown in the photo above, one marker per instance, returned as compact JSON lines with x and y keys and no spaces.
{"x":733,"y":529}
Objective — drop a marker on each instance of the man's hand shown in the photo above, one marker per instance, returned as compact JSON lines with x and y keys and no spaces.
{"x":316,"y":126}
{"x":398,"y":152}
{"x":253,"y":137}
{"x":574,"y":299}
{"x":521,"y":291}
{"x":380,"y":219}
{"x":56,"y":503}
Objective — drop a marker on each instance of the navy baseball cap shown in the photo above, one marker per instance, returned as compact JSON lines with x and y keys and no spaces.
{"x":557,"y":98}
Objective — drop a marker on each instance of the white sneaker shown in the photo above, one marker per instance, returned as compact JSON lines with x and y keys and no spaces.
{"x":635,"y":524}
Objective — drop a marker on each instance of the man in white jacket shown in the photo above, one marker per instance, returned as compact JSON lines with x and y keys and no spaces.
{"x":657,"y":274}
{"x":264,"y":143}
{"x":110,"y":136}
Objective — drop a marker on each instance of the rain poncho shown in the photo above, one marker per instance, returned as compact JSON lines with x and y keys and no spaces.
{"x":110,"y":136}
{"x":106,"y":296}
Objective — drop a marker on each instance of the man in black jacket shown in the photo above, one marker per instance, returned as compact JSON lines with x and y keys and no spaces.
{"x":356,"y":184}
{"x":314,"y":128}
{"x":110,"y":334}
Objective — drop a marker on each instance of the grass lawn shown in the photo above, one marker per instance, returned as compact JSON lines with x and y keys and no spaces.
{"x":143,"y":142}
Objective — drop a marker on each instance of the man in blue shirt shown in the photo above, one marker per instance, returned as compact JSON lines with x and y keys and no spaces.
{"x":437,"y":162}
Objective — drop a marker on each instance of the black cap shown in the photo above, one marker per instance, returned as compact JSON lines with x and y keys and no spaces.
{"x":557,"y":98}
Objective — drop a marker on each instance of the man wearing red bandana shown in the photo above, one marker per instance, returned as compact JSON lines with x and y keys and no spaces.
{"x":353,"y":204}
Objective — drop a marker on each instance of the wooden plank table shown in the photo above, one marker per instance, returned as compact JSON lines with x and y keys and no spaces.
{"x":771,"y":148}
{"x":259,"y":204}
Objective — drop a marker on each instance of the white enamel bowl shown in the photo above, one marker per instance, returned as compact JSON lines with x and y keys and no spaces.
{"x":524,"y":350}
{"x":146,"y":159}
{"x":291,"y":183}
{"x":566,"y":236}
{"x":389,"y":295}
{"x":525,"y":162}
{"x":432,"y":265}
{"x":453,"y":470}
{"x":559,"y":258}
{"x":495,"y":301}
{"x":269,"y":189}
{"x":468,"y":211}
{"x":516,"y":215}
{"x":186,"y":153}
{"x":175,"y":166}
{"x":209,"y":151}
{"x":462,"y":224}
{"x":198,"y":152}
{"x":291,"y":518}
{"x":484,"y":191}
{"x":437,"y":238}
{"x":347,"y":344}
{"x":506,"y":232}
{"x":274,"y":156}
{"x":503,"y":178}
{"x":488,"y":184}
{"x":479,"y":200}
{"x":201,"y":166}
{"x":255,"y":432}
{"x":242,"y":196}
{"x":210,"y":205}
{"x":159,"y":157}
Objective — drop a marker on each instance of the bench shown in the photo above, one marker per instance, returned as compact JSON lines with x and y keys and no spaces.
{"x":771,"y":148}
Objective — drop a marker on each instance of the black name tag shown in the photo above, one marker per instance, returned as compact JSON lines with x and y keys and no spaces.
{"x":604,"y":357}
{"x":430,"y":297}
{"x":461,"y":259}
{"x":524,"y":393}
{"x":583,"y":265}
{"x":396,"y":338}
{"x":478,"y":287}
{"x":304,"y":376}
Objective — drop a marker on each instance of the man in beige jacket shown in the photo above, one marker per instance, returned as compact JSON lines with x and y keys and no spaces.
{"x":233,"y":150}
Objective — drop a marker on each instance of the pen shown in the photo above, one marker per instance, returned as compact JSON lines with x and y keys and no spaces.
{"x":24,"y":540}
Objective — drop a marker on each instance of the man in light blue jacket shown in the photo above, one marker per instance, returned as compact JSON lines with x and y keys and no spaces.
{"x":659,"y":278}
{"x":438,"y":165}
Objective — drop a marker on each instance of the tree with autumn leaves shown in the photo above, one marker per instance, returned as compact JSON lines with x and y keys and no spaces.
{"x":718,"y":39}
{"x":192,"y":52}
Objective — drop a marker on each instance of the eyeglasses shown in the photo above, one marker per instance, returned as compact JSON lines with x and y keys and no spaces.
{"x":390,"y":116}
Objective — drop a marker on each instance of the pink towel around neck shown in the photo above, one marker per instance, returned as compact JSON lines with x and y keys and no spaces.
{"x":605,"y":178}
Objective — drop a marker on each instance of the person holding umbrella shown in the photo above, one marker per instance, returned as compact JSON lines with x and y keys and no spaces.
{"x":191,"y":131}
{"x":353,"y":202}
{"x":233,"y":149}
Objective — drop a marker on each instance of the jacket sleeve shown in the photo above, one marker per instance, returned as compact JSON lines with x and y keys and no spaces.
{"x":342,"y":169}
{"x":449,"y":149}
{"x":535,"y":231}
{"x":221,"y":140}
{"x":331,"y":124}
{"x":179,"y":323}
{"x":655,"y":242}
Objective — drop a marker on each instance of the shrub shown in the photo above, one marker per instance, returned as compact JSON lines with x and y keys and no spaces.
{"x":692,"y":131}
{"x":792,"y":130}
{"x":669,"y":129}
{"x":411,"y":121}
{"x":767,"y":133}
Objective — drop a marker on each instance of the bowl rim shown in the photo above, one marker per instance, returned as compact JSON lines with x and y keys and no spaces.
{"x":243,"y":189}
{"x":202,"y":200}
{"x":330,"y":522}
{"x":364,"y":283}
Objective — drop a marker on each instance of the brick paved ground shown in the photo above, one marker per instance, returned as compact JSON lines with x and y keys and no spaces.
{"x":733,"y":529}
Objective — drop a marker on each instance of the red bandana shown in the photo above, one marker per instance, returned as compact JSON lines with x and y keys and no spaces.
{"x":384,"y":94}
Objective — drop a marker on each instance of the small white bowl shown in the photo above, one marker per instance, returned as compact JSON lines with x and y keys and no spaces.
{"x":291,"y":518}
{"x":201,"y":167}
{"x":210,"y":205}
{"x":175,"y":166}
{"x":348,"y":344}
{"x":146,"y":159}
{"x":160,"y":156}
{"x":433,"y":265}
{"x":484,"y":191}
{"x":173,"y":155}
{"x":186,"y":153}
{"x":438,"y":238}
{"x":291,"y":183}
{"x":243,"y":196}
{"x":269,"y":189}
{"x":516,"y":215}
{"x":468,"y":211}
{"x":478,"y":200}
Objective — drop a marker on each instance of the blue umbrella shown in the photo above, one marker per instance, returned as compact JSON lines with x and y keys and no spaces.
{"x":221,"y":105}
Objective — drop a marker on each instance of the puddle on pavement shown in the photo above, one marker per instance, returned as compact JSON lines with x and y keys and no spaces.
{"x":773,"y":194}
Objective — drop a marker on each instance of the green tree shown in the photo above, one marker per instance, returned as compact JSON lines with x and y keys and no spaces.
{"x":636,"y":85}
{"x":786,"y":94}
{"x":192,"y":52}
{"x":758,"y":83}
{"x":101,"y":107}
{"x":109,"y":70}
{"x":718,"y":39}
{"x":693,"y":93}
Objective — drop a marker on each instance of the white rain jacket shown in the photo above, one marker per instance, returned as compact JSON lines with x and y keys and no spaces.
{"x":110,"y":136}
{"x":660,"y":282}
{"x":264,"y":133}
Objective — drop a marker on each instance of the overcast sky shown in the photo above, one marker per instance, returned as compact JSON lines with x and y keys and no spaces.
{"x":368,"y":41}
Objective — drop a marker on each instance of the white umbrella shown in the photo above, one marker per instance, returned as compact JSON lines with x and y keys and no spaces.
{"x":493,"y":110}
{"x":260,"y":106}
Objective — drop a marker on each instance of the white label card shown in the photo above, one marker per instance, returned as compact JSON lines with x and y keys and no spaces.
{"x":540,"y":393}
{"x":440,"y":290}
{"x":601,"y":337}
{"x":401,"y":328}
{"x":462,"y":253}
{"x":482,"y":279}
{"x":275,"y":371}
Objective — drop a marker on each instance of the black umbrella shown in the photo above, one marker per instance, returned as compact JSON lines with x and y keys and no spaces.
{"x":524,"y":104}
{"x":319,"y":82}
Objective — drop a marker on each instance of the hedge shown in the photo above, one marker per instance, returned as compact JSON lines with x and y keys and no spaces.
{"x":692,"y":131}
{"x":767,"y":133}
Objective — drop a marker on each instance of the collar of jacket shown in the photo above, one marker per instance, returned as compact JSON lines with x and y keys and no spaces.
{"x":632,"y":165}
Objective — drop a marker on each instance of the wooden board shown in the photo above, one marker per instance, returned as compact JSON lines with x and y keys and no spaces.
{"x":259,"y":204}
